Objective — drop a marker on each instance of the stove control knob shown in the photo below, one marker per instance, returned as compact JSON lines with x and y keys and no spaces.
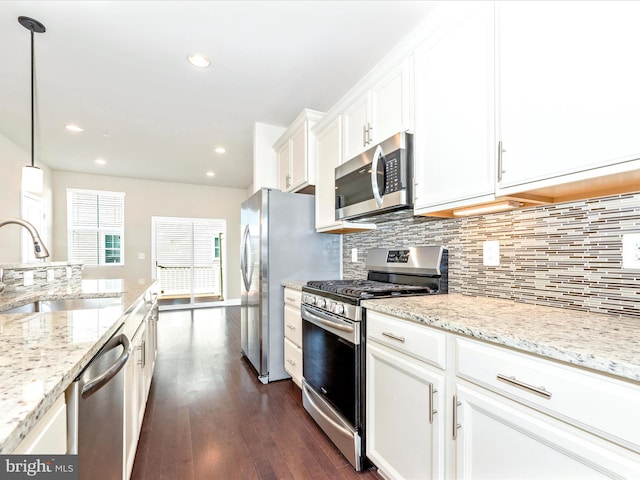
{"x":310,"y":299}
{"x":339,"y":309}
{"x":321,"y":302}
{"x":331,"y":306}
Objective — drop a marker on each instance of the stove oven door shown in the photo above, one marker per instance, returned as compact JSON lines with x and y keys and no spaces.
{"x":332,"y":375}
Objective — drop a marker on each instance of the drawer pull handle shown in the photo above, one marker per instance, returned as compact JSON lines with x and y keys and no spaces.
{"x":291,"y":299}
{"x":290,"y":326}
{"x":541,"y":391}
{"x":291,"y":362}
{"x":394,"y":337}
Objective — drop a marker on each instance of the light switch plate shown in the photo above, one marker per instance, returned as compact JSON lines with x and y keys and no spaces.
{"x":51,"y":275}
{"x":354,"y":255}
{"x":631,"y":251}
{"x":141,"y":256}
{"x":28,"y":279}
{"x":491,"y":253}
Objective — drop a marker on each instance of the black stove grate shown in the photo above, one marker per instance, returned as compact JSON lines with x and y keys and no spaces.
{"x":367,"y":288}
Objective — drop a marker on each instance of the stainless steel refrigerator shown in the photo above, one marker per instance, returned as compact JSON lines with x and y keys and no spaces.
{"x":279,"y":243}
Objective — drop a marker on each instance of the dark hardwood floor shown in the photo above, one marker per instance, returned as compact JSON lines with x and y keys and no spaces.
{"x":208,"y":417}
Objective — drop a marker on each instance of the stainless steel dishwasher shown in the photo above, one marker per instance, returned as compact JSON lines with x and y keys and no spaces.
{"x":95,"y":403}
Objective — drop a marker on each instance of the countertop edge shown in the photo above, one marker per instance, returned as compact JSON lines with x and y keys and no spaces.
{"x":598,"y":364}
{"x":295,"y":285}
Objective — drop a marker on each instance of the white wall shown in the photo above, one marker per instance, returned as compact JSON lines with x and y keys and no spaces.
{"x":143,"y":200}
{"x":12,"y":159}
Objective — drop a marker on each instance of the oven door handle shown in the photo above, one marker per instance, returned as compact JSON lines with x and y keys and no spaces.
{"x":320,"y":412}
{"x":314,"y":318}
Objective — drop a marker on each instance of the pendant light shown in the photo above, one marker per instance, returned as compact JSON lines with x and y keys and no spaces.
{"x":32,"y":177}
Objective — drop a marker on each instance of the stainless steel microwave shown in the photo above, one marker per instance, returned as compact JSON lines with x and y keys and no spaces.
{"x":376,"y":181}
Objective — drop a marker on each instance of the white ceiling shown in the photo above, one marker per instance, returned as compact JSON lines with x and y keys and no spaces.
{"x":119,"y":70}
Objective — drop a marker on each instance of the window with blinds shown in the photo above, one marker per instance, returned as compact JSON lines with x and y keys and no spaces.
{"x":95,"y":223}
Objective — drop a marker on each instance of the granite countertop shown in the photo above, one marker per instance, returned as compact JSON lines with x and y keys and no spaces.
{"x":41,"y":353}
{"x":294,"y":284}
{"x":605,"y":343}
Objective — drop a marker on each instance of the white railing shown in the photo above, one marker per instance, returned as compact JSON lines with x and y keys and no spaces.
{"x":178,"y":280}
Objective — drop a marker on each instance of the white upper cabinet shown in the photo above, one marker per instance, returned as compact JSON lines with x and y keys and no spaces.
{"x":328,"y":157}
{"x":380,"y":112}
{"x":454,"y":110}
{"x":569,"y":91}
{"x":295,"y":151}
{"x":328,"y":144}
{"x":284,"y":165}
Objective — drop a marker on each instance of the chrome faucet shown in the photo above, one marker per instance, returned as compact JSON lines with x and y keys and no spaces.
{"x":38,"y":247}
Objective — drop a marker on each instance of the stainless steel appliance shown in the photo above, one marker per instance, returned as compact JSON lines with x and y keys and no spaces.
{"x":95,"y":403}
{"x":333,"y":337}
{"x":279,"y":243}
{"x":376,"y":181}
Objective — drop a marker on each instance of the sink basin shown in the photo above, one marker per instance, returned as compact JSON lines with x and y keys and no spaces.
{"x":63,"y":304}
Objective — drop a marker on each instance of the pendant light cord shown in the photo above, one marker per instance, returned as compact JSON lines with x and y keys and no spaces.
{"x":33,"y":26}
{"x":33,"y":162}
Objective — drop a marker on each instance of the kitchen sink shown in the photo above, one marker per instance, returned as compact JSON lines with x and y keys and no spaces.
{"x":63,"y":304}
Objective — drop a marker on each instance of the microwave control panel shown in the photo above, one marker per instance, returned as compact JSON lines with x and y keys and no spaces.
{"x":393,"y":176}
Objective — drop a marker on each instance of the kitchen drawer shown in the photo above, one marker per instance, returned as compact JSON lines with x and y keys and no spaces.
{"x":421,"y":342}
{"x":292,"y":297}
{"x":293,"y":324}
{"x":293,"y":361}
{"x":605,"y":406}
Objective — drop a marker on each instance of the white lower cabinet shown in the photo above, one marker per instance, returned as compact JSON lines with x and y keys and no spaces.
{"x":138,"y":376}
{"x":293,"y":361}
{"x":496,"y":412}
{"x":500,"y":438}
{"x":49,"y":434}
{"x":293,"y":334}
{"x":134,"y":398}
{"x":405,"y":427}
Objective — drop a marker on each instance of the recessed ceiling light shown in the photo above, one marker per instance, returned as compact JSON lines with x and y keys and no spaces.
{"x":198,"y":60}
{"x":219,"y":150}
{"x":74,"y":128}
{"x":211,"y":174}
{"x":101,"y":161}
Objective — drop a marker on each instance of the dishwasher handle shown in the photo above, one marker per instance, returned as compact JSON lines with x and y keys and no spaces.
{"x":96,"y":383}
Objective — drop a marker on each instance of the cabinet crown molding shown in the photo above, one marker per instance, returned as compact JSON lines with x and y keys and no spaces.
{"x":307,"y":115}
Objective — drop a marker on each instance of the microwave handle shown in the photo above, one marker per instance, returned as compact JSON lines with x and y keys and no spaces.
{"x":377,"y":157}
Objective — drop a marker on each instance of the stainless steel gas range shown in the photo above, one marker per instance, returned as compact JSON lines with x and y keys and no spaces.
{"x":334,"y":332}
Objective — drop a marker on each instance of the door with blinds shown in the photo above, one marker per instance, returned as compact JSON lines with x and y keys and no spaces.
{"x":188,"y":254}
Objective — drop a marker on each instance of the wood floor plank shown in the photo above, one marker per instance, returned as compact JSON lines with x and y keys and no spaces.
{"x":208,"y":417}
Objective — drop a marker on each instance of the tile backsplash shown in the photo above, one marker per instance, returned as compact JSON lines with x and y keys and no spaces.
{"x":42,"y":274}
{"x":566,"y":255}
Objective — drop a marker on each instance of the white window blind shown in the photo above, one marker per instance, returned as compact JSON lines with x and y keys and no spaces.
{"x":187,"y":255}
{"x":95,"y":221}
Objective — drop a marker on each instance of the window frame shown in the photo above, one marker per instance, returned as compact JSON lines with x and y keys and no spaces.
{"x":102,"y":233}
